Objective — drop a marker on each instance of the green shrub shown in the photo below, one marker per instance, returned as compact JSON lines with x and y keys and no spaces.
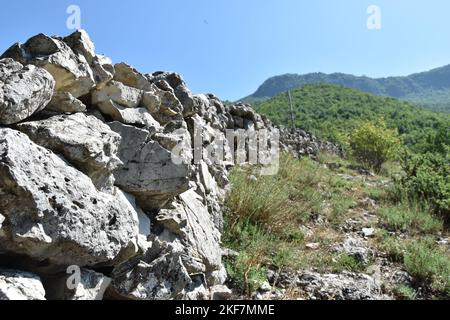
{"x":428,"y":264}
{"x":245,"y":273}
{"x":423,"y":260}
{"x":438,"y":141}
{"x":340,"y":207}
{"x":427,"y":178}
{"x":393,"y":247}
{"x":378,"y":193}
{"x":348,"y":263}
{"x":276,"y":204}
{"x":405,"y":293}
{"x":374,"y":143}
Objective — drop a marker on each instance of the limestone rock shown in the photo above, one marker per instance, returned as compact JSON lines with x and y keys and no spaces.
{"x":64,"y":102}
{"x":54,"y":213}
{"x":23,"y":91}
{"x":148,"y":172}
{"x":345,"y":286}
{"x":159,"y":99}
{"x":145,"y":223}
{"x":163,"y":105}
{"x":206,"y":178}
{"x":159,"y":276}
{"x":221,"y":292}
{"x":81,"y":43}
{"x":355,"y":247}
{"x":368,"y":232}
{"x":133,"y":116}
{"x":131,"y":77}
{"x":119,"y":93}
{"x":301,"y":143}
{"x":188,"y":220}
{"x":151,"y":100}
{"x":71,"y":71}
{"x":182,"y":261}
{"x":247,"y":115}
{"x":92,"y":286}
{"x":84,"y":141}
{"x":103,"y":70}
{"x":179,"y":87}
{"x":102,"y":67}
{"x":2,"y":219}
{"x":16,"y":285}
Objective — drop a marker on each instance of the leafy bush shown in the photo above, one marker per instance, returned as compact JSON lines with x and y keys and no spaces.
{"x":438,"y":141}
{"x":373,"y":143}
{"x":427,"y":178}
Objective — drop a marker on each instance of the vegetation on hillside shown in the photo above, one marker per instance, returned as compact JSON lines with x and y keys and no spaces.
{"x":430,"y":89}
{"x":264,"y":218}
{"x":333,"y":112}
{"x":292,"y":221}
{"x":407,"y":146}
{"x":426,"y":178}
{"x":373,"y":144}
{"x":410,"y":150}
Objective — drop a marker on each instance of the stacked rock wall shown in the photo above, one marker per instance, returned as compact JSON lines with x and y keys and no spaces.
{"x":105,"y":189}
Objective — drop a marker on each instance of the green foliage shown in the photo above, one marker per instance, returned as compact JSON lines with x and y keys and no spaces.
{"x":393,"y":247}
{"x":378,"y":194}
{"x":422,"y":259}
{"x":333,"y":112}
{"x":428,"y":264}
{"x":272,"y":200}
{"x":405,"y":293}
{"x":438,"y":141}
{"x":263,"y":219}
{"x":341,"y":206}
{"x":246,"y":271}
{"x":427,"y":178}
{"x":349,"y":263}
{"x":373,"y":143}
{"x":430,"y":89}
{"x":408,"y":217}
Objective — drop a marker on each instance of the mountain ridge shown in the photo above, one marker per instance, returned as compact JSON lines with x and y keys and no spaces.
{"x":430,"y":89}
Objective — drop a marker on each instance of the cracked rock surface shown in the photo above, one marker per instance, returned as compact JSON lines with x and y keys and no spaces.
{"x":98,"y":173}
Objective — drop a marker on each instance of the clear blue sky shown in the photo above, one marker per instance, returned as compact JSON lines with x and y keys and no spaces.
{"x":229,"y":47}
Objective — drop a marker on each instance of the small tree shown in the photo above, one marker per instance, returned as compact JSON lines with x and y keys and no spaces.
{"x":374,"y":143}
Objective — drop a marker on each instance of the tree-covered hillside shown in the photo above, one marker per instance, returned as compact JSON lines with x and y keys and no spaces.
{"x":331,"y":112}
{"x":430,"y":89}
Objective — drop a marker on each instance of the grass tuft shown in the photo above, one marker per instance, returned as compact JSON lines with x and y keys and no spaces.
{"x":410,"y":217}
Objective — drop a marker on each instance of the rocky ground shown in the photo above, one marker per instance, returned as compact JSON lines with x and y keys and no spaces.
{"x":371,"y":273}
{"x":354,"y":238}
